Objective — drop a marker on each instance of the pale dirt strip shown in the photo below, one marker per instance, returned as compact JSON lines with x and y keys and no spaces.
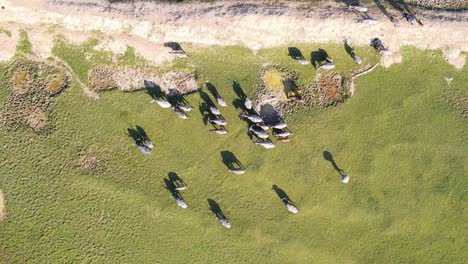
{"x":2,"y":207}
{"x":149,"y":25}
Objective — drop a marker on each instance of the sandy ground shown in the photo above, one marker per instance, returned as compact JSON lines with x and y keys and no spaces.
{"x":2,"y":206}
{"x":147,"y":26}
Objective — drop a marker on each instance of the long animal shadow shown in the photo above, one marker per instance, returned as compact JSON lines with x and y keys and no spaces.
{"x":205,"y":105}
{"x":142,"y":133}
{"x":176,"y":181}
{"x":348,"y":48}
{"x":171,"y":187}
{"x":295,"y":53}
{"x":384,"y":11}
{"x":239,"y":102}
{"x":153,"y":90}
{"x":329,"y":157}
{"x":206,"y":98}
{"x":348,"y":2}
{"x":176,"y":98}
{"x":238,"y":90}
{"x":214,"y":207}
{"x":133,"y":133}
{"x":230,"y":160}
{"x":281,"y":194}
{"x":212,"y":89}
{"x":270,"y":115}
{"x":317,"y":57}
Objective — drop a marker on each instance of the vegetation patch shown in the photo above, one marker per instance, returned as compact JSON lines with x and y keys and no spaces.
{"x":101,"y":78}
{"x":130,"y":79}
{"x":406,"y":194}
{"x":24,"y":45}
{"x":56,"y":84}
{"x":31,"y":86}
{"x":283,"y":82}
{"x":274,"y":80}
{"x":5,"y":31}
{"x":329,"y":89}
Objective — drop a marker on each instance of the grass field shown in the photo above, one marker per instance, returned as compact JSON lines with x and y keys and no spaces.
{"x":401,"y":138}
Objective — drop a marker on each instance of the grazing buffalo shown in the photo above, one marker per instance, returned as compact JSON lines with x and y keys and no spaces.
{"x":181,"y":114}
{"x":217,"y":121}
{"x":225,"y":222}
{"x":358,"y":7}
{"x":290,"y":206}
{"x":148,"y":143}
{"x":345,"y":178}
{"x":254,"y":118}
{"x":258,"y":131}
{"x":183,"y":107}
{"x":281,"y":133}
{"x":162,"y":102}
{"x":237,"y":171}
{"x":143,"y":149}
{"x":265,"y":144}
{"x":220,"y":131}
{"x":214,"y":110}
{"x":248,"y":103}
{"x":179,"y":200}
{"x":221,"y":102}
{"x":279,"y":125}
{"x":355,"y":57}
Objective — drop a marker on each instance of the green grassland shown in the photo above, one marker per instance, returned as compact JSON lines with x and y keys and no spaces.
{"x":401,"y":138}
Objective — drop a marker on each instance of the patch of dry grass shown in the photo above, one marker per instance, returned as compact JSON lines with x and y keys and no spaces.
{"x":330,"y":89}
{"x":130,"y":79}
{"x":30,"y":88}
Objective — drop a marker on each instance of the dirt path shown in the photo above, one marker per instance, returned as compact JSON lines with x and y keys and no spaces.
{"x":351,"y":81}
{"x":254,"y":25}
{"x":90,"y":93}
{"x":2,"y":207}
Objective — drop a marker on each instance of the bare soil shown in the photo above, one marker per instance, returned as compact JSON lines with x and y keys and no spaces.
{"x":2,"y":207}
{"x":254,"y":24}
{"x":90,"y":163}
{"x":132,"y":79}
{"x":37,"y":120}
{"x":453,"y":4}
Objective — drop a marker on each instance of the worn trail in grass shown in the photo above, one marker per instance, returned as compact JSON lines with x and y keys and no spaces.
{"x":399,"y":138}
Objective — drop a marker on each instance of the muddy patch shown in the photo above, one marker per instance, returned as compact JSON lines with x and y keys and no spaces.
{"x":131,"y":79}
{"x":2,"y":207}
